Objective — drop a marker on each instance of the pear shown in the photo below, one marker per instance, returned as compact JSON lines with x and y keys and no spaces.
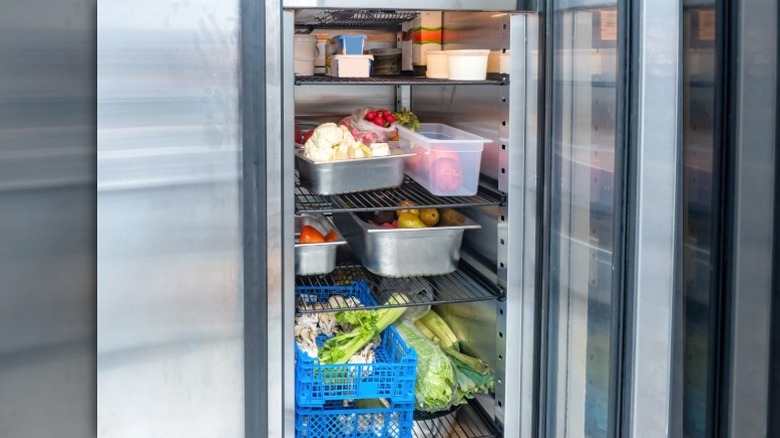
{"x":407,"y":203}
{"x":450,"y":217}
{"x":409,"y":220}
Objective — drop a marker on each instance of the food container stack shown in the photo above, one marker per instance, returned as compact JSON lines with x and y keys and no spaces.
{"x":345,"y":58}
{"x":361,"y":398}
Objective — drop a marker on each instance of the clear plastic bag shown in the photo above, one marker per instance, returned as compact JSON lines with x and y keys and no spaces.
{"x":436,"y":385}
{"x":366,"y":131}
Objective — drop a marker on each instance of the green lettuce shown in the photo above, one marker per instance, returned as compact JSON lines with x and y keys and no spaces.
{"x":435,"y":388}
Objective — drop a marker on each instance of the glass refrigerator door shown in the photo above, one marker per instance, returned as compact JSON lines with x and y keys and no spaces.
{"x":582,"y":221}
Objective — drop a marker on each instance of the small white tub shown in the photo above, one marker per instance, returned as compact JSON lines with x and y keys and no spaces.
{"x":438,"y":67}
{"x":467,"y":65}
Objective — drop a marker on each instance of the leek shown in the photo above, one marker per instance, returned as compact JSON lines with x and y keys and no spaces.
{"x":436,"y":324}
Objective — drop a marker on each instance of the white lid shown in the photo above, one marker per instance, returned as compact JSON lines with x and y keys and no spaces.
{"x":305,"y":37}
{"x":371,"y":57}
{"x":468,"y":52}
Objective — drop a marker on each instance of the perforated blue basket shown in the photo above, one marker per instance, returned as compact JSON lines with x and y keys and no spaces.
{"x":391,"y":376}
{"x":313,"y":294}
{"x":336,"y":421}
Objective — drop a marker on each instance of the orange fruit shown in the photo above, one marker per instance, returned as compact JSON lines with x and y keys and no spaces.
{"x":331,"y":236}
{"x":310,"y":234}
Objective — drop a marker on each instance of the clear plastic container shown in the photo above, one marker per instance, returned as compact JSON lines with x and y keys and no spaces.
{"x":447,"y":160}
{"x":467,"y":65}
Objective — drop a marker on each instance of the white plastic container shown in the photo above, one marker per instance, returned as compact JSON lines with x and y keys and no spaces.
{"x":438,"y":66}
{"x":467,"y":65}
{"x":305,"y":52}
{"x":447,"y":160}
{"x":350,"y":66}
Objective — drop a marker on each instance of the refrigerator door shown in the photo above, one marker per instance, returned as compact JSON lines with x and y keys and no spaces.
{"x":170,"y":302}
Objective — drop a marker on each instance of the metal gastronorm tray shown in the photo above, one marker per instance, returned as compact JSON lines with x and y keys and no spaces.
{"x":345,"y":176}
{"x":404,"y":252}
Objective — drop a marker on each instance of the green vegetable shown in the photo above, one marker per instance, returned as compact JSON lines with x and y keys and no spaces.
{"x":366,"y":326}
{"x":435,"y":387}
{"x":470,"y":382}
{"x":372,"y":403}
{"x":472,"y":362}
{"x":426,"y":332}
{"x":407,"y":119}
{"x":436,"y":324}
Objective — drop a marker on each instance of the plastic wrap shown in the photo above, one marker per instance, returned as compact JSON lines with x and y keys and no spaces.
{"x":366,"y":131}
{"x":435,"y":387}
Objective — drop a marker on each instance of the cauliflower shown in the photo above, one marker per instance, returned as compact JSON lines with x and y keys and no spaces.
{"x":332,"y":142}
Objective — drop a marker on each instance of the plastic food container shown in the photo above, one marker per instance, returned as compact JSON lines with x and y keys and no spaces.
{"x":438,"y":66}
{"x":305,"y":53}
{"x":467,"y":65}
{"x":315,"y":258}
{"x":392,"y":375}
{"x":446,"y":161}
{"x":350,"y":66}
{"x":349,"y":44}
{"x":334,"y":420}
{"x":404,"y":252}
{"x":387,"y":62}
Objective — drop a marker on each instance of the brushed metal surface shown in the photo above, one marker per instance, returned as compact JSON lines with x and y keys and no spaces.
{"x":517,"y":230}
{"x":404,"y":252}
{"x":330,"y":103}
{"x":316,"y":258}
{"x":345,"y":176}
{"x":170,"y":344}
{"x":47,"y":219}
{"x":754,"y":220}
{"x":287,"y":382}
{"x":656,"y":216}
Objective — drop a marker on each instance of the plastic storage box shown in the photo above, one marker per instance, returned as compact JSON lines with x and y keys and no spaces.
{"x":349,"y":44}
{"x":447,"y":160}
{"x":467,"y":65}
{"x":334,"y":420}
{"x":391,"y":375}
{"x":350,"y":66}
{"x":387,"y":62}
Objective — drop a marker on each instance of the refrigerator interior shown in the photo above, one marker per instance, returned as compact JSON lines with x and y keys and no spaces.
{"x":473,"y":299}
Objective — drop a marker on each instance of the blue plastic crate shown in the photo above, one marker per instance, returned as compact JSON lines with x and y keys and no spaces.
{"x":336,"y":421}
{"x":313,"y":294}
{"x":391,"y":376}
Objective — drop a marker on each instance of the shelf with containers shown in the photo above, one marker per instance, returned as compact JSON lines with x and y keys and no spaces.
{"x":464,"y":284}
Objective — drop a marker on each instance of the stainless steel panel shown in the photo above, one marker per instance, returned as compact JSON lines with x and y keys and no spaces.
{"x":345,"y":176}
{"x":753,"y":220}
{"x":47,"y":219}
{"x":287,"y":383}
{"x":432,"y":5}
{"x":517,"y":233}
{"x":485,"y":240}
{"x":655,"y":230}
{"x":404,"y":252}
{"x":170,"y":349}
{"x":316,"y":258}
{"x":330,"y":103}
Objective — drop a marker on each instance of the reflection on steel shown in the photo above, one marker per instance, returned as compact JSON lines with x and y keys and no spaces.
{"x":170,"y":348}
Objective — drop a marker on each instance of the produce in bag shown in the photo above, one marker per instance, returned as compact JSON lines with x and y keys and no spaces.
{"x":435,"y":387}
{"x":370,"y":125}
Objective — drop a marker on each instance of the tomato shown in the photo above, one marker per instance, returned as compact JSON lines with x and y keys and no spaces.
{"x":379,"y":121}
{"x":389,"y":118}
{"x":307,"y":136}
{"x":371,"y":115}
{"x":298,"y":134}
{"x":446,"y":174}
{"x":331,"y":236}
{"x":310,"y":234}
